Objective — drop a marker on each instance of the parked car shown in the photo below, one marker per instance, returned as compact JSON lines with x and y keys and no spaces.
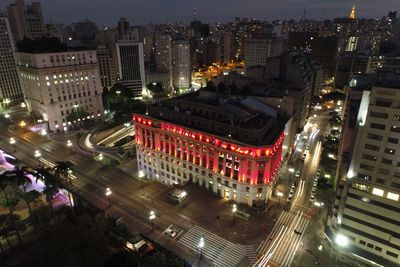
{"x":171,"y":232}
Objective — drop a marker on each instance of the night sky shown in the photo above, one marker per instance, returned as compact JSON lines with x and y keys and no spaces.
{"x":143,"y":11}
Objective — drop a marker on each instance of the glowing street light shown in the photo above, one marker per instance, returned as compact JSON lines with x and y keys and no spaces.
{"x":108,"y":192}
{"x":101,"y":157}
{"x":234,"y":210}
{"x":151,"y":218}
{"x":23,"y":105}
{"x":22,"y":124}
{"x":69,"y":145}
{"x":291,"y":170}
{"x":38,"y":155}
{"x":12,"y":142}
{"x":201,"y":245}
{"x":341,"y":240}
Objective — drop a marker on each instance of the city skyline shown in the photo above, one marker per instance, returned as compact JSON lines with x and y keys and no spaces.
{"x":175,"y":11}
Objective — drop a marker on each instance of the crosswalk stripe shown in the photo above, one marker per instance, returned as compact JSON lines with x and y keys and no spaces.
{"x":219,"y":251}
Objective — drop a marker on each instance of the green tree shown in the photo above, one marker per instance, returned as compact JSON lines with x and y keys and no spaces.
{"x":18,"y":174}
{"x":4,"y":179}
{"x":10,"y":223}
{"x":51,"y":186}
{"x":62,"y":171}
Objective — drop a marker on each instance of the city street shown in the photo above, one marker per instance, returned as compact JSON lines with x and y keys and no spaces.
{"x":281,"y":247}
{"x":227,"y":242}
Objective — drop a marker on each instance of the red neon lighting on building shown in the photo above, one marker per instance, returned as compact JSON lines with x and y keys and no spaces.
{"x":269,"y":151}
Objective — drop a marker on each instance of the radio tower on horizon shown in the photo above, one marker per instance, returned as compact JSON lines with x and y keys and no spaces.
{"x":353,"y":12}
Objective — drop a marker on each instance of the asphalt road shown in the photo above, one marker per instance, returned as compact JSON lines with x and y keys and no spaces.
{"x":287,"y":236}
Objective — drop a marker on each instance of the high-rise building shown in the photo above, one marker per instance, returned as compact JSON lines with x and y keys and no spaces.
{"x":61,"y":88}
{"x":131,"y":66}
{"x":9,"y":83}
{"x":211,"y":53}
{"x":163,"y":52}
{"x":181,"y":71}
{"x":26,"y":20}
{"x":231,"y":146}
{"x":258,"y":50}
{"x":106,"y":66}
{"x":367,"y":208}
{"x":228,"y":42}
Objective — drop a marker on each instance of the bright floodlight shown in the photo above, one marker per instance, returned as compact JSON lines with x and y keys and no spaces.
{"x":43,"y":132}
{"x":38,"y":154}
{"x":341,"y":240}
{"x":22,"y":124}
{"x":7,"y":116}
{"x":69,"y":143}
{"x":201,"y":242}
{"x":23,"y":105}
{"x":101,"y":156}
{"x":320,"y":247}
{"x":279,"y":194}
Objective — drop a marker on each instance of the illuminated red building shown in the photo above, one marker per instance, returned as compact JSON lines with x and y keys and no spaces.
{"x":228,"y":147}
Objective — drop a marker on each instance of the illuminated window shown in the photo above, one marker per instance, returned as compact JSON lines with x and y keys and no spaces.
{"x":377,"y":191}
{"x":393,"y":196}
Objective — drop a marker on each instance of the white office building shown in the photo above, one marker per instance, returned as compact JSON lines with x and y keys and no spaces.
{"x":62,"y":88}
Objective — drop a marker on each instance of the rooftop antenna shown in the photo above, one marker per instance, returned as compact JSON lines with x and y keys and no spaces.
{"x":194,"y":13}
{"x":304,"y":14}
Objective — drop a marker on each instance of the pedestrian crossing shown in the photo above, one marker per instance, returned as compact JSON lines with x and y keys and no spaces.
{"x":285,"y":238}
{"x":251,"y":253}
{"x":219,"y":251}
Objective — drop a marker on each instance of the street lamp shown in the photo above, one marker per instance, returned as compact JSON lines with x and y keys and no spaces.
{"x":341,"y":240}
{"x":141,"y":176}
{"x":69,"y":145}
{"x":108,"y":191}
{"x":151,"y":218}
{"x":319,"y":249}
{"x":279,"y":194}
{"x":201,"y":245}
{"x":38,"y":155}
{"x":76,"y":112}
{"x":234,"y":210}
{"x":23,"y":105}
{"x":101,"y":157}
{"x":12,"y":142}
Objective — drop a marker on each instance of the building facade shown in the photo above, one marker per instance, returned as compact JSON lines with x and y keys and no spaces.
{"x":9,"y":83}
{"x":56,"y":85}
{"x":181,"y":70}
{"x":131,"y":66}
{"x":258,"y":50}
{"x":106,"y":66}
{"x":26,"y":20}
{"x":176,"y":144}
{"x":367,"y":206}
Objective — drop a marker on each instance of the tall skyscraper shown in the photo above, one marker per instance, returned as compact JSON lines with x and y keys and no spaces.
{"x":131,"y":66}
{"x":163,"y":51}
{"x":9,"y":83}
{"x":181,"y":73}
{"x":228,"y":47}
{"x":26,"y":20}
{"x":367,"y":208}
{"x":61,"y":88}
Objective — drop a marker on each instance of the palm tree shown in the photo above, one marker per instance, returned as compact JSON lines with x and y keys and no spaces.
{"x":19,"y":176}
{"x":51,"y":185}
{"x":3,"y":187}
{"x":64,"y":169}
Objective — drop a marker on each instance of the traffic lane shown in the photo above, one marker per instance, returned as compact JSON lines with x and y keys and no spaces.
{"x":96,"y":188}
{"x":27,"y":147}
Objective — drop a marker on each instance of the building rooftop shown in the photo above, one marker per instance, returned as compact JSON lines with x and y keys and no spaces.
{"x":242,"y":120}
